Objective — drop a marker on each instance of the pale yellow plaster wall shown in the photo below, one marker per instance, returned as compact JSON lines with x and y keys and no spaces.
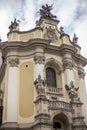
{"x":26,"y":90}
{"x":65,"y":40}
{"x":14,"y":37}
{"x":26,"y":36}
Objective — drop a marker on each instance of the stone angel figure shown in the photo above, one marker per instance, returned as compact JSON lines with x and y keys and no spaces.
{"x":45,"y":12}
{"x":72,"y":91}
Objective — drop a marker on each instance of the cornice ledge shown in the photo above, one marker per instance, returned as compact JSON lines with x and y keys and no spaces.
{"x":81,"y":59}
{"x":61,"y":49}
{"x":32,"y":42}
{"x":39,"y":41}
{"x":68,"y":48}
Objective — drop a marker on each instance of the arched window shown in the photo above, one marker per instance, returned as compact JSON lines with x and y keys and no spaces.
{"x":57,"y":125}
{"x":50,"y":77}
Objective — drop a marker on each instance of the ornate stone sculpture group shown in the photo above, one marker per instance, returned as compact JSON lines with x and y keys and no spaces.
{"x":14,"y":25}
{"x":72,"y":91}
{"x":45,"y":12}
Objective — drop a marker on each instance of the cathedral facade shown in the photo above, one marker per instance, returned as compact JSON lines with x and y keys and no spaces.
{"x":42,"y":83}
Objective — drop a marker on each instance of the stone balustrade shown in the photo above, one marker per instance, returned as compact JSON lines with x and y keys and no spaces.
{"x":54,"y":90}
{"x":55,"y":105}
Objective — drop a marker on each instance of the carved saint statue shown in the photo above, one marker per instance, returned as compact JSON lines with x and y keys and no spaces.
{"x":45,"y":12}
{"x":39,"y":84}
{"x":72,"y":91}
{"x":14,"y":25}
{"x":75,"y":38}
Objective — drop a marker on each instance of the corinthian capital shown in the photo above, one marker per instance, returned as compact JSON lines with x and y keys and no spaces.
{"x":13,"y":62}
{"x":81,"y":73}
{"x":67,"y":64}
{"x":39,"y":59}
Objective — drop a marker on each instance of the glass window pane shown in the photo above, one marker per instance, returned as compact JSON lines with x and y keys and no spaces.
{"x":50,"y":77}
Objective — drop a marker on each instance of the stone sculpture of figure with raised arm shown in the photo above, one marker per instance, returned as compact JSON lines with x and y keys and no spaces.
{"x":72,"y":91}
{"x":45,"y":12}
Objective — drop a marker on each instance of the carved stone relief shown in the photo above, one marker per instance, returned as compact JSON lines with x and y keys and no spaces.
{"x":50,"y":34}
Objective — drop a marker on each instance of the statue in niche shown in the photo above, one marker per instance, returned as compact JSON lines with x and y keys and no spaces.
{"x":75,"y":38}
{"x":72,"y":91}
{"x":14,"y":25}
{"x":45,"y":12}
{"x":39,"y":83}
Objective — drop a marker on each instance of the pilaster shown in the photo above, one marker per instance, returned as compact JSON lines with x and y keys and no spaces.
{"x":39,"y":65}
{"x":12,"y":90}
{"x":82,"y":91}
{"x":68,"y":67}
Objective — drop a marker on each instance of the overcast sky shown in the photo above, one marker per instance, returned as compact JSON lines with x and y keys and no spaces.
{"x":71,"y":13}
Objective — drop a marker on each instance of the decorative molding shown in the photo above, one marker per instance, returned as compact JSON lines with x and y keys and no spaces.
{"x":79,"y":122}
{"x":39,"y":59}
{"x":56,"y":105}
{"x":13,"y":62}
